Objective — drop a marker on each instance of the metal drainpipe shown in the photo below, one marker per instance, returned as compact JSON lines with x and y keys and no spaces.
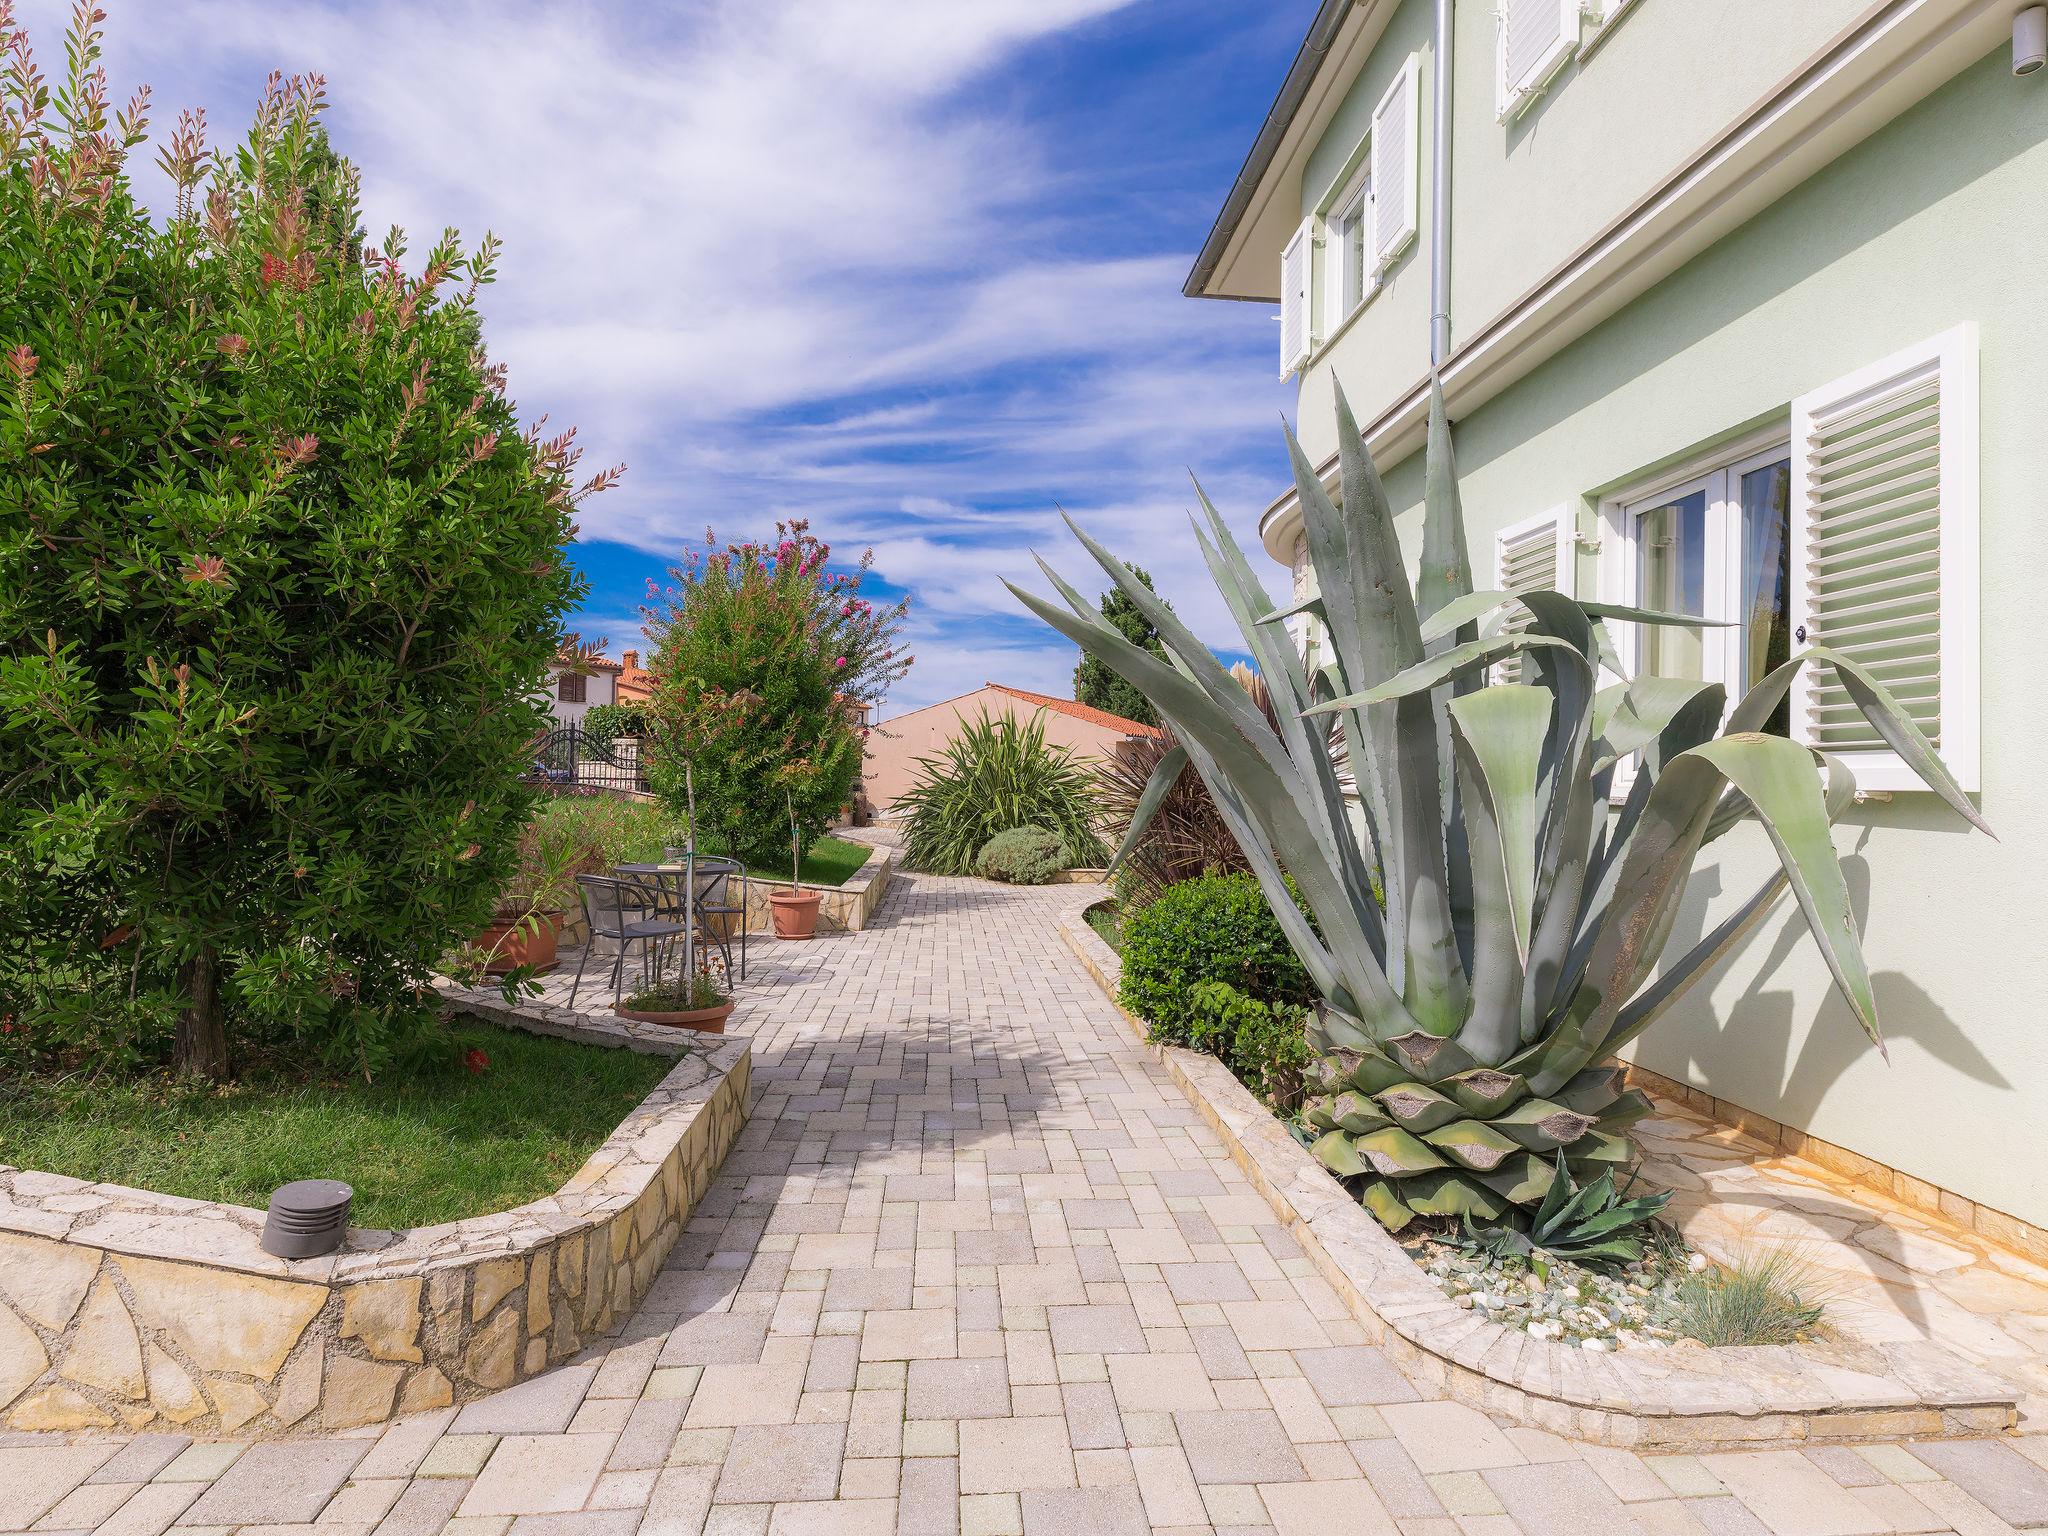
{"x":1440,"y":192}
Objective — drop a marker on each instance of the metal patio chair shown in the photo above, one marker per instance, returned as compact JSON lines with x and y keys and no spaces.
{"x":626,"y":911}
{"x":719,"y":914}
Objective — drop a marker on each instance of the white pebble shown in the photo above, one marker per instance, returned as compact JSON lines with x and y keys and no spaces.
{"x":1696,"y":1262}
{"x":1597,"y":1346}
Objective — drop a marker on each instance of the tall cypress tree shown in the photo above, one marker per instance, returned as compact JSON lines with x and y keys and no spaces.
{"x":1095,"y":684}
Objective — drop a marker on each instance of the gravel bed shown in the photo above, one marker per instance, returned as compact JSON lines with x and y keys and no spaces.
{"x":1632,"y":1307}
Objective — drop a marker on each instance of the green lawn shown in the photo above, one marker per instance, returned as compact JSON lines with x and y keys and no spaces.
{"x":419,"y":1149}
{"x":831,"y":861}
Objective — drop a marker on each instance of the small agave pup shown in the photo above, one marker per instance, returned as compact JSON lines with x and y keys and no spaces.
{"x":1469,"y":1017}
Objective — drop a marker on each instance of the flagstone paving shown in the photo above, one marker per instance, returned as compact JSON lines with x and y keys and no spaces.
{"x":976,"y":1268}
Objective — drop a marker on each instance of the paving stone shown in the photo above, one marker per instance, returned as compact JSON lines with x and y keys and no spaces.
{"x":1095,"y":1330}
{"x":958,"y":1389}
{"x":1560,"y":1498}
{"x":716,"y":1338}
{"x":1237,"y":1446}
{"x":1111,"y":1511}
{"x":140,"y":1459}
{"x":277,"y":1484}
{"x":1791,"y":1495}
{"x":1010,"y":1455}
{"x":777,"y":1463}
{"x":34,"y":1478}
{"x":1348,"y":1375}
{"x":1996,"y":1476}
{"x":538,"y":1475}
{"x":543,"y":1405}
{"x":1449,"y":1437}
{"x":1316,"y":1509}
{"x":1394,"y":1476}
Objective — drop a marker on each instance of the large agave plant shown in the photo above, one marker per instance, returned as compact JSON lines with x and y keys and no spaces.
{"x":1470,"y":1014}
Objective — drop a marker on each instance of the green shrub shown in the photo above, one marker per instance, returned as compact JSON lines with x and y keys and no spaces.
{"x":1217,"y":928}
{"x":280,"y":577}
{"x":997,"y":773}
{"x":606,"y":723}
{"x":1264,"y":1045}
{"x":1022,"y":856}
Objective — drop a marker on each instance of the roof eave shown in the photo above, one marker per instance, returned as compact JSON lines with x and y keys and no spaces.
{"x":1308,"y":60}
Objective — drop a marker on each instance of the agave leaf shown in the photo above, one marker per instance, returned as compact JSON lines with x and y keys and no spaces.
{"x":1646,"y":707}
{"x":1336,"y":1152}
{"x":1356,"y":1113}
{"x":1502,"y":729}
{"x":1543,"y":1125}
{"x":1386,"y":1207}
{"x":1651,"y":616}
{"x":1885,"y":714}
{"x":1473,"y":1144}
{"x":1394,"y":1152}
{"x":1463,"y":612}
{"x":1782,"y":782}
{"x":1591,"y":1091}
{"x":1452,"y":1192}
{"x":1318,"y":1113}
{"x":1446,"y":569}
{"x":1403,"y":738}
{"x":1522,"y":1180}
{"x":1164,"y":776}
{"x":1470,"y":657}
{"x":1311,"y":605}
{"x":1251,"y":792}
{"x":1416,"y":1107}
{"x":1484,"y":1091}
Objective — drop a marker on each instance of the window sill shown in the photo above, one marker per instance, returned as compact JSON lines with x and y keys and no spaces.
{"x":1379,"y":286}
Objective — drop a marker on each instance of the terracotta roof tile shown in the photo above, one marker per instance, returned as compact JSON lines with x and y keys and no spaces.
{"x":1078,"y":711}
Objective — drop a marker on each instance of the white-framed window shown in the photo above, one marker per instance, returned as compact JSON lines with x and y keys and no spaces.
{"x":1348,"y":269}
{"x":1712,"y":539}
{"x":1855,"y":527}
{"x":1532,"y":555}
{"x":1532,"y":41}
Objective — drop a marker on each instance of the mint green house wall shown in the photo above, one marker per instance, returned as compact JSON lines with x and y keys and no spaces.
{"x":1938,"y":218}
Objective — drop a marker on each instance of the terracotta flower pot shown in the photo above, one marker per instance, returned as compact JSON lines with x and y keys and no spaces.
{"x":795,"y":912}
{"x":709,"y":1021}
{"x":514,"y":943}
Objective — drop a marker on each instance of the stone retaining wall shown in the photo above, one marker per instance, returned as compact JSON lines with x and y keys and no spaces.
{"x":1647,"y":1400}
{"x":121,"y":1309}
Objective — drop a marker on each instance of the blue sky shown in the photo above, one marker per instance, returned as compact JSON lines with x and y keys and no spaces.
{"x":908,"y":268}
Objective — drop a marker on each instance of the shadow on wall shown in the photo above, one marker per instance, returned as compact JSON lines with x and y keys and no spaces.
{"x":1761,"y":1024}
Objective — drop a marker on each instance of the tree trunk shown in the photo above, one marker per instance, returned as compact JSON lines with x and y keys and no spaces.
{"x":201,"y":1050}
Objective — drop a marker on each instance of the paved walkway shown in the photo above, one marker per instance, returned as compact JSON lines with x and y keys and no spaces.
{"x":976,"y":1267}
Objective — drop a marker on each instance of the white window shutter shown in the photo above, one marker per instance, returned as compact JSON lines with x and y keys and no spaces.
{"x":1884,"y":553}
{"x":1395,"y":153}
{"x":1297,"y":262}
{"x":1536,"y":37}
{"x":1532,"y":555}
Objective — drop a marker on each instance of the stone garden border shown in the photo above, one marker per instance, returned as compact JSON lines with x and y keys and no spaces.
{"x":121,"y":1308}
{"x":1647,"y":1400}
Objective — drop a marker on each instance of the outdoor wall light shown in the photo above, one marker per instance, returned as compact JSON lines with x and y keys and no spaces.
{"x":2030,"y":40}
{"x":307,"y":1219}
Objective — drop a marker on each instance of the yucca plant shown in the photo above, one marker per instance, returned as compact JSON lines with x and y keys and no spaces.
{"x":996,"y":774}
{"x":1469,"y":1018}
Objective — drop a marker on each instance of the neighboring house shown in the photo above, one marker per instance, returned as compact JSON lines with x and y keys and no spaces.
{"x":573,"y":693}
{"x":636,"y":683}
{"x":894,"y":746}
{"x":1739,"y":308}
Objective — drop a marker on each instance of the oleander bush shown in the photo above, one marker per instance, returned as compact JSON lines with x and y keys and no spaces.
{"x":1214,"y":928}
{"x":1022,"y":856}
{"x":280,"y":574}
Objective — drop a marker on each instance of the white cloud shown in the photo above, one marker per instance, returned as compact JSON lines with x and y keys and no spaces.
{"x":786,"y":258}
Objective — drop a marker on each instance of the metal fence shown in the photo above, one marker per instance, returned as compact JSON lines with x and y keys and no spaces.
{"x":569,"y":762}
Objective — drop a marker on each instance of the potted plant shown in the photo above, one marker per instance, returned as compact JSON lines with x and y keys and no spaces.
{"x":527,"y":922}
{"x":698,"y":1001}
{"x":796,"y":909}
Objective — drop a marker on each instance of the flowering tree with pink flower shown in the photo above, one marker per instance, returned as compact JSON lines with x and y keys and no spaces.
{"x":757,"y":649}
{"x":280,"y":575}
